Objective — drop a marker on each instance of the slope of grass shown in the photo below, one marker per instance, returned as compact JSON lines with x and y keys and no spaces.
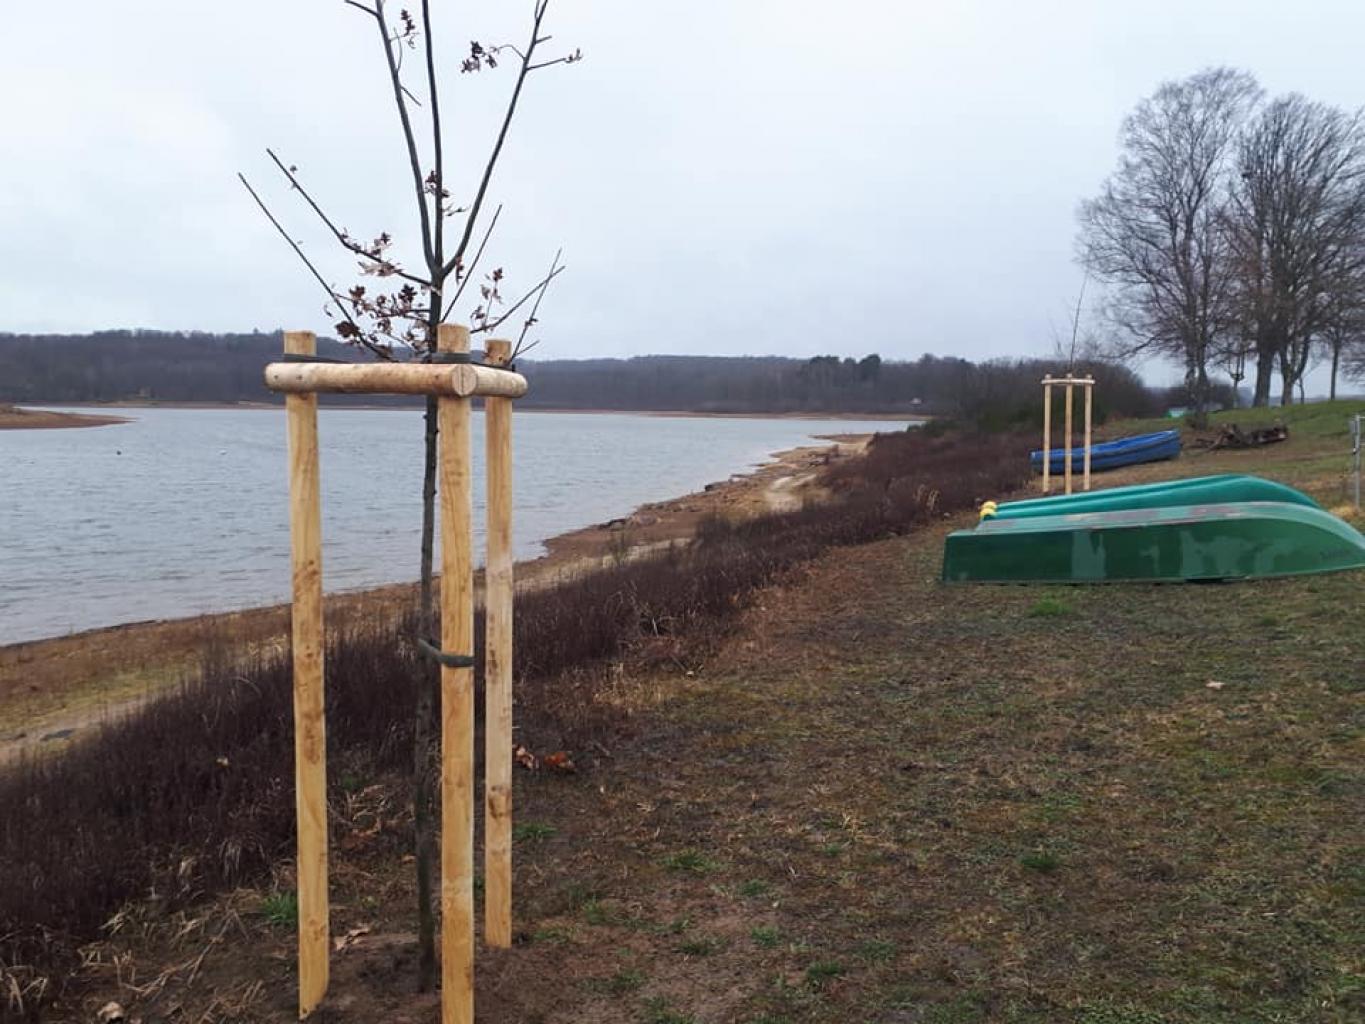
{"x":1313,"y":420}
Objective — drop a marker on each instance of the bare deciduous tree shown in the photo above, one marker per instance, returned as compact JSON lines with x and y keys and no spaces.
{"x":1344,"y":334}
{"x":1155,"y":235}
{"x":1297,"y":220}
{"x":398,"y":319}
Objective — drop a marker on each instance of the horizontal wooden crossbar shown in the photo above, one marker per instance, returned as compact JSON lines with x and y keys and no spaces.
{"x":459,"y":380}
{"x":1086,"y":381}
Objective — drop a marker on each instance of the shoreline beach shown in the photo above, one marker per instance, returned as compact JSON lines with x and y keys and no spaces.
{"x":51,"y":688}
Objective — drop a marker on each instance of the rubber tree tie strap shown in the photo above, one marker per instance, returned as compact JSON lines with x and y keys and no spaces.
{"x":294,"y":357}
{"x":452,"y":357}
{"x":448,"y":660}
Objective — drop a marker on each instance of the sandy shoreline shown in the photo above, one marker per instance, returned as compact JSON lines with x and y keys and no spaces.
{"x":51,"y":688}
{"x":12,"y":417}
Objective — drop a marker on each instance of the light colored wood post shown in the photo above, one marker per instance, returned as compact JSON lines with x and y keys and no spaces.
{"x":457,"y":701}
{"x":1066,"y":452}
{"x":1089,"y":392}
{"x":310,"y":727}
{"x":497,"y":676}
{"x":1047,"y":434}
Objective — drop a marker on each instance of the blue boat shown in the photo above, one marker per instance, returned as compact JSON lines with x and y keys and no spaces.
{"x":1126,"y":451}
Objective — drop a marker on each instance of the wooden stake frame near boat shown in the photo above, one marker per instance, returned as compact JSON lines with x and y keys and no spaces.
{"x":1070,"y":383}
{"x":455,"y":383}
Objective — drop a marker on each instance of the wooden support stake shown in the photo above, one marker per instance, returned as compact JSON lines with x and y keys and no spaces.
{"x":310,"y":728}
{"x":457,"y":701}
{"x":1047,"y":434}
{"x":497,"y":871}
{"x":1089,"y":394}
{"x":1066,"y":452}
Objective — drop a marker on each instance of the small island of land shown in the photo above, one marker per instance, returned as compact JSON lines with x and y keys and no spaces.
{"x":14,"y":418}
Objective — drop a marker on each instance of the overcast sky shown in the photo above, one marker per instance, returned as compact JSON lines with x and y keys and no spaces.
{"x":725,"y":176}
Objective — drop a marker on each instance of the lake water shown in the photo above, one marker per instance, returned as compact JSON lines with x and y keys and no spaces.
{"x":185,"y":511}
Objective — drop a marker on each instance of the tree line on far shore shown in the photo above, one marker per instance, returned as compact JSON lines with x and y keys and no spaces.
{"x":1231,"y":236}
{"x":158,"y":366}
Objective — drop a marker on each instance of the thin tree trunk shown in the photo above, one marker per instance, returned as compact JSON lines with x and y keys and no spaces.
{"x":1336,"y":362}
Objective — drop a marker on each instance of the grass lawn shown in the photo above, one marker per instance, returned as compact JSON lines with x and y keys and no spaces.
{"x":882,"y":799}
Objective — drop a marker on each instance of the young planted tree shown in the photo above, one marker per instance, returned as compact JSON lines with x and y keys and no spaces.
{"x":1155,"y":232}
{"x":398,"y":315}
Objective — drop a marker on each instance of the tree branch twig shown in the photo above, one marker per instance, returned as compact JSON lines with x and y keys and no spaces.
{"x":493,"y":325}
{"x":468,"y":273}
{"x":521,"y":338}
{"x":340,"y":300}
{"x":482,"y":192}
{"x":346,"y":242}
{"x":409,"y":138}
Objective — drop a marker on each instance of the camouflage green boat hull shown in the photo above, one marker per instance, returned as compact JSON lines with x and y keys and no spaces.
{"x":1244,"y":540}
{"x":1201,"y":490}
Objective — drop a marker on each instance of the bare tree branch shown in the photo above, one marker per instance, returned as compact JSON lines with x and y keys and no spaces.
{"x":468,"y":272}
{"x":340,"y":300}
{"x":346,"y":241}
{"x":1076,"y":324}
{"x":493,"y":325}
{"x":438,"y":230}
{"x":298,"y":251}
{"x":409,"y":138}
{"x":477,"y":205}
{"x":554,"y":264}
{"x":566,"y":59}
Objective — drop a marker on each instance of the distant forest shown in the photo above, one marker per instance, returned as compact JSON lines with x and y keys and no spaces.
{"x":112,"y":366}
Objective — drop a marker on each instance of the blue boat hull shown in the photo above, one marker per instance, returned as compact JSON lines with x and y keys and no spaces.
{"x":1126,"y":451}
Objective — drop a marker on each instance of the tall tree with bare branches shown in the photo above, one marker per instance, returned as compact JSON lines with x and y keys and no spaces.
{"x":1344,"y":334}
{"x":1297,"y":227}
{"x":397,"y":316}
{"x":1154,"y":233}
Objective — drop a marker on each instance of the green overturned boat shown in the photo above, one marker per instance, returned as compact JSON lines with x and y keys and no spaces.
{"x":1224,"y":489}
{"x":1150,"y":540}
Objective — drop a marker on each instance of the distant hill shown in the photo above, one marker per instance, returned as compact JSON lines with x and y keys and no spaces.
{"x":158,"y":366}
{"x":113,"y":366}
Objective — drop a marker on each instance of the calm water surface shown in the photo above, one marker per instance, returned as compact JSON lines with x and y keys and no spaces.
{"x":184,"y":511}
